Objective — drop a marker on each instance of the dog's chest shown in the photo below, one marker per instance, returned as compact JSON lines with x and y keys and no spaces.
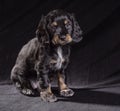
{"x":58,"y":60}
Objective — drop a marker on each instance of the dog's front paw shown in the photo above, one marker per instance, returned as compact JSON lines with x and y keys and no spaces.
{"x":67,"y":92}
{"x":48,"y":97}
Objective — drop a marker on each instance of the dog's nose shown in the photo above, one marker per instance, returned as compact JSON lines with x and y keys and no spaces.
{"x":63,"y":37}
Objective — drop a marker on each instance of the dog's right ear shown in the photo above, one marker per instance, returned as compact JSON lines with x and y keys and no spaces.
{"x":41,"y":31}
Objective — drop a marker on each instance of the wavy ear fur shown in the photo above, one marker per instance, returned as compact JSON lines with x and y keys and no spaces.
{"x":77,"y":32}
{"x":41,"y":31}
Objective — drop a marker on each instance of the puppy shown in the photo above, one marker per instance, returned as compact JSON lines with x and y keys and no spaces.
{"x":47,"y":55}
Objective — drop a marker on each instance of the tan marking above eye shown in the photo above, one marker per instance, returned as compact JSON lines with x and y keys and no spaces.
{"x":54,"y":24}
{"x":65,"y":21}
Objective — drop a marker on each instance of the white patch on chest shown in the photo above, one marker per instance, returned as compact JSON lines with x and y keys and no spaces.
{"x":60,"y":58}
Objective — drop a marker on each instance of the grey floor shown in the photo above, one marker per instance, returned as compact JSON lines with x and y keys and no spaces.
{"x":105,"y":99}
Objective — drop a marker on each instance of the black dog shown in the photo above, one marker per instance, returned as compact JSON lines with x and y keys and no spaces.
{"x":47,"y":55}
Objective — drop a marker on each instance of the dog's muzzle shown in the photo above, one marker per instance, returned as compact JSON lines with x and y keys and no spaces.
{"x":61,"y":39}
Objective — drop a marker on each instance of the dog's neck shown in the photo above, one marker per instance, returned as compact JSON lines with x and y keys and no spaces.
{"x":61,"y":48}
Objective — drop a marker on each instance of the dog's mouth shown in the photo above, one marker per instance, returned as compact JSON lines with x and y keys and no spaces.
{"x":58,"y":40}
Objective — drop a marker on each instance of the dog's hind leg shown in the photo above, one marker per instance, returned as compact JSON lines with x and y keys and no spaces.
{"x":20,"y":81}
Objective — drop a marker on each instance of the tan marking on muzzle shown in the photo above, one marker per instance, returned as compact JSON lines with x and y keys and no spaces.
{"x":55,"y":39}
{"x":68,"y":38}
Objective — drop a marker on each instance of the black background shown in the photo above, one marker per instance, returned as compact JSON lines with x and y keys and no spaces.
{"x":94,"y":61}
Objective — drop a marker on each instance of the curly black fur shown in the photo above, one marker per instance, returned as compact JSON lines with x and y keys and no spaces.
{"x":47,"y":54}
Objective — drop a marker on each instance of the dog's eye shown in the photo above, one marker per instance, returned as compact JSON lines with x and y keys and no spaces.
{"x":54,"y":24}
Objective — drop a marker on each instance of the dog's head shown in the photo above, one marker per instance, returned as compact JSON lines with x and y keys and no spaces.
{"x":59,"y":28}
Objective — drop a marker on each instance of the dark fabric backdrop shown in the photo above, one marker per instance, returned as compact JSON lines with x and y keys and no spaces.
{"x":94,"y":61}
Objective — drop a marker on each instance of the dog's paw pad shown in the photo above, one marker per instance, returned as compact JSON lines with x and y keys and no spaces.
{"x":67,"y":92}
{"x":48,"y":97}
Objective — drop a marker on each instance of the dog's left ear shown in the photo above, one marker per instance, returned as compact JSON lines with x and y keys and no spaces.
{"x":41,"y":31}
{"x":77,"y":32}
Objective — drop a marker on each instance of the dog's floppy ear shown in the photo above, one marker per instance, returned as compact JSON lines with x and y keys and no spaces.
{"x":41,"y":31}
{"x":77,"y":32}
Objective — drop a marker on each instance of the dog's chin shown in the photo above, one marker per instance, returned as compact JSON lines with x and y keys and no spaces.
{"x":57,"y":41}
{"x":64,"y":42}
